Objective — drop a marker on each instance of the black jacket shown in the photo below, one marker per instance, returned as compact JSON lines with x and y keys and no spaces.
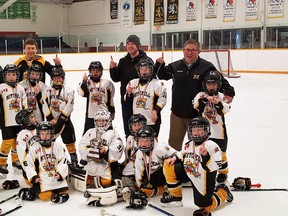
{"x":187,"y":83}
{"x":126,"y":71}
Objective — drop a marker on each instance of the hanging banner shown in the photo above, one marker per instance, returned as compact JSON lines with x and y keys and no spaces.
{"x":158,"y":13}
{"x":139,"y":12}
{"x":33,"y":14}
{"x":251,"y":10}
{"x":3,"y":13}
{"x":229,"y":11}
{"x":275,"y":9}
{"x":126,"y":13}
{"x":211,"y":9}
{"x":191,"y":6}
{"x":114,"y":9}
{"x":172,"y":12}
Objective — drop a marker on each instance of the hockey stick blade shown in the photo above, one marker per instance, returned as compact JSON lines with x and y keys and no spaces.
{"x":9,"y":198}
{"x":261,"y":189}
{"x":160,"y":210}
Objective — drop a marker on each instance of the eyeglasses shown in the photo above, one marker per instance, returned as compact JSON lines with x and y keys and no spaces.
{"x":191,"y":50}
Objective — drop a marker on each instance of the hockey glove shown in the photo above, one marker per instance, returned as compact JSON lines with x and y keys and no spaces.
{"x":242,"y":183}
{"x":7,"y":185}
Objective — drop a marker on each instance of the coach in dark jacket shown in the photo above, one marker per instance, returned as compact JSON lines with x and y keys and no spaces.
{"x":187,"y":75}
{"x":126,"y":71}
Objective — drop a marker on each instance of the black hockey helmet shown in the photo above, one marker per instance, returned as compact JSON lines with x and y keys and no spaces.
{"x":136,"y":118}
{"x":10,"y":68}
{"x":95,"y":65}
{"x":212,"y":76}
{"x":45,"y":126}
{"x":138,"y":200}
{"x":145,"y":132}
{"x":145,"y":62}
{"x":57,"y":72}
{"x":37,"y":69}
{"x":22,"y":118}
{"x":199,"y":122}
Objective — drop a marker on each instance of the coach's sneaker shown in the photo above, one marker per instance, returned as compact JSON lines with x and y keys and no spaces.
{"x":201,"y":212}
{"x":3,"y":169}
{"x":226,"y":188}
{"x":17,"y":167}
{"x":221,"y":178}
{"x":168,"y":200}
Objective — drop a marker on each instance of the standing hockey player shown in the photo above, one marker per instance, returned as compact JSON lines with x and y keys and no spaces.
{"x":46,"y":168}
{"x":99,"y":93}
{"x":12,"y":100}
{"x":100,"y":149}
{"x":58,"y":103}
{"x":33,"y":89}
{"x":135,"y":122}
{"x":212,"y":105}
{"x":149,"y":162}
{"x":148,"y":94}
{"x":198,"y":162}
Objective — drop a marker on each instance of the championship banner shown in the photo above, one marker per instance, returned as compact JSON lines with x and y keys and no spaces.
{"x":275,"y":8}
{"x":191,"y":8}
{"x":34,"y":14}
{"x":158,"y":13}
{"x":251,"y":10}
{"x":172,"y":12}
{"x":126,"y":13}
{"x":229,"y":11}
{"x":139,"y":12}
{"x":211,"y":9}
{"x":114,"y":9}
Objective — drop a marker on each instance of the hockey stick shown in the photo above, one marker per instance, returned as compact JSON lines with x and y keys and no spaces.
{"x":9,"y":198}
{"x":261,"y":189}
{"x":160,"y":210}
{"x":18,"y":202}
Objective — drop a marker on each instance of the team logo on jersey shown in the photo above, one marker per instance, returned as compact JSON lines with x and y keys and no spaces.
{"x":141,"y":103}
{"x":96,"y":98}
{"x":210,"y":113}
{"x":55,"y":105}
{"x":15,"y":105}
{"x":192,"y":167}
{"x":31,"y":102}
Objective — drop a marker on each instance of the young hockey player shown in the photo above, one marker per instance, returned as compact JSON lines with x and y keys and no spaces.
{"x":26,"y":137}
{"x":101,"y":148}
{"x":12,"y":100}
{"x":33,"y":89}
{"x":148,"y":94}
{"x":198,"y":162}
{"x":58,"y":103}
{"x":212,"y":105}
{"x":99,"y":93}
{"x":149,"y":162}
{"x":46,"y":168}
{"x":135,"y":122}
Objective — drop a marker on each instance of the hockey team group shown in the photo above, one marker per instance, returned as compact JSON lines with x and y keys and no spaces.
{"x":33,"y":115}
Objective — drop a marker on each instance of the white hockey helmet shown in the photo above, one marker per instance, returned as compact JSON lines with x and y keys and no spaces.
{"x":102,"y":120}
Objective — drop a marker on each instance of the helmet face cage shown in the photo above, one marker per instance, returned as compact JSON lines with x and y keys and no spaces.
{"x":45,"y":126}
{"x":136,"y":118}
{"x":209,"y":78}
{"x":199,"y":122}
{"x":95,"y":65}
{"x":23,"y":118}
{"x":146,"y":133}
{"x":35,"y":69}
{"x":146,"y":65}
{"x":57,"y":72}
{"x":10,"y":68}
{"x":102,"y":120}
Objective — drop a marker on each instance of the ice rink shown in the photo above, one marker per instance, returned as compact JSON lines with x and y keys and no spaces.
{"x":257,"y":148}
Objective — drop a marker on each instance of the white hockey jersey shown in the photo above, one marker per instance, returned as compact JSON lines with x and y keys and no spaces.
{"x":193,"y":163}
{"x":50,"y":161}
{"x":214,"y":114}
{"x":32,"y":99}
{"x":160,"y":152}
{"x":100,"y":96}
{"x":130,"y":156}
{"x":147,"y":97}
{"x":12,"y":100}
{"x":92,"y":139}
{"x":57,"y":101}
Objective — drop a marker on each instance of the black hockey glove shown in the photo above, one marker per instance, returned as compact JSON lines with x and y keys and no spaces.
{"x":242,"y":183}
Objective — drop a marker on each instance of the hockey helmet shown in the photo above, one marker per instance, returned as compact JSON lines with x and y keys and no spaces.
{"x":145,"y":132}
{"x":10,"y":68}
{"x":136,"y":118}
{"x":199,"y":122}
{"x":95,"y":65}
{"x":102,"y":120}
{"x":36,"y":71}
{"x":212,"y":76}
{"x":57,"y":72}
{"x":23,"y":118}
{"x":138,"y":200}
{"x":45,"y":126}
{"x":145,"y":68}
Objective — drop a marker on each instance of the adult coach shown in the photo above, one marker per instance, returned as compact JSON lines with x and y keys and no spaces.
{"x":30,"y":57}
{"x":126,"y":71}
{"x":187,"y":75}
